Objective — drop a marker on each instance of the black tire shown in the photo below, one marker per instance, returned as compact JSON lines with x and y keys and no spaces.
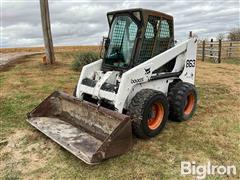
{"x":146,"y":107}
{"x":182,"y":99}
{"x":75,"y":91}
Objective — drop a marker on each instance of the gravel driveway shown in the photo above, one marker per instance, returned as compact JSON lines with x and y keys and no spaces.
{"x":6,"y":58}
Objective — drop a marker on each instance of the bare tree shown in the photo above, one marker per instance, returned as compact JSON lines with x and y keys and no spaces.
{"x":234,"y":34}
{"x":220,"y":36}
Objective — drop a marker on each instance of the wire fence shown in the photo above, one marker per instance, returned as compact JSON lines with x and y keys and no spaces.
{"x":218,"y":50}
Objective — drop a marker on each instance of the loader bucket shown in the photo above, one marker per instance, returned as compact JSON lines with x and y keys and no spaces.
{"x":89,"y":132}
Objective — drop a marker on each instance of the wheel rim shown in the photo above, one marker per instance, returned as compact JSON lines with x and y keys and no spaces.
{"x":156,"y":118}
{"x":189,"y":104}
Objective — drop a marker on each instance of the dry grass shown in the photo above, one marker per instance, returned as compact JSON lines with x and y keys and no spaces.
{"x":57,"y":49}
{"x":212,"y":135}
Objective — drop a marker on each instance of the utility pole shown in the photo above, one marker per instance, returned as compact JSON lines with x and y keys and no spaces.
{"x":47,"y":35}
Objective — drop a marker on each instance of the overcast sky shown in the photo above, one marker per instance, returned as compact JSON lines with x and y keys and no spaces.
{"x":76,"y":22}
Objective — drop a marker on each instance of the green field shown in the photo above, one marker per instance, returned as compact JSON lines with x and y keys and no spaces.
{"x":213,"y":134}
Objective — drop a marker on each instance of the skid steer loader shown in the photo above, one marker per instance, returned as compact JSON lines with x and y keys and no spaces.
{"x":142,"y":80}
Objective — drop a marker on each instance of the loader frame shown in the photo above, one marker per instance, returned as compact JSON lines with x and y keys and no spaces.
{"x":142,"y":76}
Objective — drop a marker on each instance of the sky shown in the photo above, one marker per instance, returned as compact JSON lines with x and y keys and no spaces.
{"x":78,"y":22}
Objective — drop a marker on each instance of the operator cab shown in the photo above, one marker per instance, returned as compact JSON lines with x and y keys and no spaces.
{"x":136,"y":35}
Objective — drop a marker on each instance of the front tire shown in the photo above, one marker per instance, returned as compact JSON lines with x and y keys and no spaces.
{"x":149,"y":112}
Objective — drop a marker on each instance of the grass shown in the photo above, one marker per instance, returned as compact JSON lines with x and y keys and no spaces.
{"x":59,"y":49}
{"x":233,"y":60}
{"x":212,"y":135}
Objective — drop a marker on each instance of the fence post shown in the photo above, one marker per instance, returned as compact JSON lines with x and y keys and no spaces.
{"x":219,"y":50}
{"x":203,"y":50}
{"x":230,"y":50}
{"x":211,"y":47}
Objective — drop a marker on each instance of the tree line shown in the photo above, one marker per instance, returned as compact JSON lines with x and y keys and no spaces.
{"x":233,"y":35}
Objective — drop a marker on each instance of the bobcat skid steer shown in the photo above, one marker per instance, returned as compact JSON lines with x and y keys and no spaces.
{"x":142,"y":80}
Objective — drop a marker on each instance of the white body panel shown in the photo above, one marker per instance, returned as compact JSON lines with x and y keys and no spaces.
{"x":139,"y":77}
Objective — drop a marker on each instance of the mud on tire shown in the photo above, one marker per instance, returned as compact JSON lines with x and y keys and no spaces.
{"x":182,"y":99}
{"x":149,"y":112}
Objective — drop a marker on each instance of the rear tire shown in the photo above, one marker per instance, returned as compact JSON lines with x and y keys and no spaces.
{"x":149,"y":112}
{"x":182,"y":99}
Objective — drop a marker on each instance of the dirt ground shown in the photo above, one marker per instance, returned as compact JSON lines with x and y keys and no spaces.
{"x":213,"y":134}
{"x":10,"y":58}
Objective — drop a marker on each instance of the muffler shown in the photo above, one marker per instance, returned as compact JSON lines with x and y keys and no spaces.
{"x":89,"y":132}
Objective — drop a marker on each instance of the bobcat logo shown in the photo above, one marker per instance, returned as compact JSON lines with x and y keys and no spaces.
{"x":133,"y":81}
{"x":147,"y":71}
